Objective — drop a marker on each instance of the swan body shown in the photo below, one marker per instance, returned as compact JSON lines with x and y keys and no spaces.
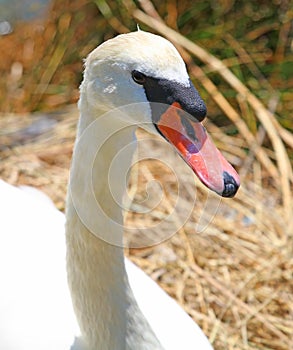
{"x":114,"y":304}
{"x":35,"y":304}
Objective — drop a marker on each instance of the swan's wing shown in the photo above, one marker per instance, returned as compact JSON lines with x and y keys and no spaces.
{"x":35,"y":304}
{"x":172,"y":326}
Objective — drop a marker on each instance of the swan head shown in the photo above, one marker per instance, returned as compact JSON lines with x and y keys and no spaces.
{"x":146,"y":73}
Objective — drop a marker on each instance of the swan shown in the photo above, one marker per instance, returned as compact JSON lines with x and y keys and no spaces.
{"x":76,"y":290}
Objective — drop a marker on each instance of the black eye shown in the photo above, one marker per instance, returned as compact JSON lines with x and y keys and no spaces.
{"x":138,"y":77}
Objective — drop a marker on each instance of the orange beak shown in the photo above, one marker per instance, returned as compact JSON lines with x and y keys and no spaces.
{"x":194,"y":145}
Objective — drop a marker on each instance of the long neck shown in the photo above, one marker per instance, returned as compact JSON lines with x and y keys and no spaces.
{"x":106,"y":310}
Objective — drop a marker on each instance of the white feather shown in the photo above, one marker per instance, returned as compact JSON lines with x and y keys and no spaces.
{"x":116,"y":308}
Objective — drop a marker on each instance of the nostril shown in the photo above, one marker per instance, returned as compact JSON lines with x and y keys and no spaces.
{"x":230,"y":185}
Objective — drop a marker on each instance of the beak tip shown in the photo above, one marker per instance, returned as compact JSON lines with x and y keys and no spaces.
{"x":231,"y":185}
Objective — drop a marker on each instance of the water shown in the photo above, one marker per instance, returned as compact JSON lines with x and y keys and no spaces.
{"x":12,"y":11}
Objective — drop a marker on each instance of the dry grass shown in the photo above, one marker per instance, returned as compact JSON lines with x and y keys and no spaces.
{"x":235,"y":277}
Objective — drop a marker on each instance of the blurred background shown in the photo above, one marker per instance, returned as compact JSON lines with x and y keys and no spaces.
{"x":235,"y":277}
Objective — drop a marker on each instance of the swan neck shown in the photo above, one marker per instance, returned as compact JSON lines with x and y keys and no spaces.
{"x":106,"y":309}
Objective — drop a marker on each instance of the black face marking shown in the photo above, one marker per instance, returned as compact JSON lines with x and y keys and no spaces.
{"x":230,"y":184}
{"x":167,"y":92}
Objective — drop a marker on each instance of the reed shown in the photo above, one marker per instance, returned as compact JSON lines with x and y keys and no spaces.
{"x":235,"y":277}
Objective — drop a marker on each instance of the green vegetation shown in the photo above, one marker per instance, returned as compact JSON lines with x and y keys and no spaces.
{"x":235,"y":278}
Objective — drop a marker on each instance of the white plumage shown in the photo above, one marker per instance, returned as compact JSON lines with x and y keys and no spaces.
{"x":35,"y":304}
{"x":117,"y":306}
